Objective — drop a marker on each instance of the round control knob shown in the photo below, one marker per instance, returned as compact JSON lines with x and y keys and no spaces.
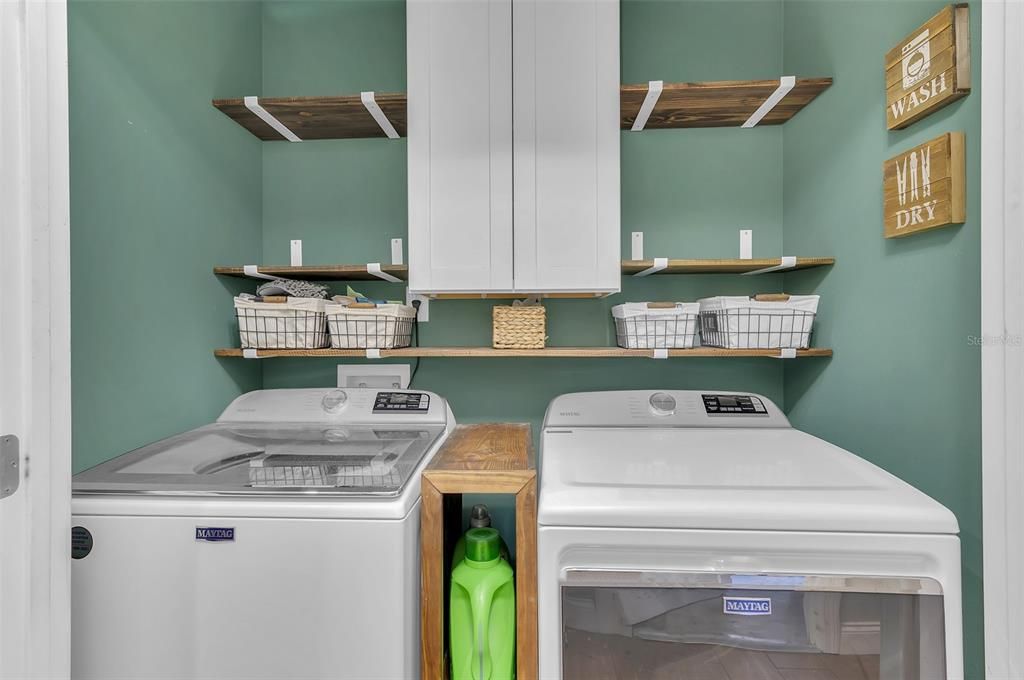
{"x":663,"y":404}
{"x":334,"y":401}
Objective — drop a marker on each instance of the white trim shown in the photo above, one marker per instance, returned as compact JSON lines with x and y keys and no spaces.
{"x":35,"y":350}
{"x":1002,"y":328}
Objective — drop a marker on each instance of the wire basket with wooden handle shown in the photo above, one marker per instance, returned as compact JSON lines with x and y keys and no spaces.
{"x":655,"y":325}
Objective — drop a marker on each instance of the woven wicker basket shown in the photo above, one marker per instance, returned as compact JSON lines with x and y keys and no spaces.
{"x":519,"y":327}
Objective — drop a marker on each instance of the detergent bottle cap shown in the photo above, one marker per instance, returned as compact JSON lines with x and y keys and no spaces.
{"x":482,"y":545}
{"x":479,"y":517}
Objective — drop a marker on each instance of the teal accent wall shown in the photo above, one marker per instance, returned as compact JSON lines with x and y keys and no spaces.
{"x":903,"y":389}
{"x":162,"y":188}
{"x":690,"y":193}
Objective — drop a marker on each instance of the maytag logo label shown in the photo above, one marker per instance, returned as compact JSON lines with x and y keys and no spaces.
{"x":747,"y":606}
{"x":215,"y":534}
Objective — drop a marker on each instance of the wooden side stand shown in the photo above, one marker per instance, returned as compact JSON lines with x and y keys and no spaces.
{"x":491,"y":458}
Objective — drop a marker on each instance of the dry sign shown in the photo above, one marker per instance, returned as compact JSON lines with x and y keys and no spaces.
{"x":924,"y":187}
{"x":930,"y":68}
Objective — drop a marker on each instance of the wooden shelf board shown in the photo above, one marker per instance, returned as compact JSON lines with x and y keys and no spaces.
{"x":358,"y":272}
{"x":726,"y":103}
{"x":326,"y":272}
{"x":726,"y":266}
{"x":339,"y":117}
{"x":548,"y":352}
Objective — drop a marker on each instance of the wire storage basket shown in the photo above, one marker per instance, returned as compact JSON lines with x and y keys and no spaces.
{"x":519,"y":327}
{"x":379,"y":327}
{"x":655,"y":325}
{"x":297,"y":323}
{"x":745,"y":323}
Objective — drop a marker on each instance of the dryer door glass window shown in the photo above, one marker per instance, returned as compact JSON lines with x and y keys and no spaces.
{"x":730,"y":633}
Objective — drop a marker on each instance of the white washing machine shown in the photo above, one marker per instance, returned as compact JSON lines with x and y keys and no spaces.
{"x":698,"y":535}
{"x":281,"y":541}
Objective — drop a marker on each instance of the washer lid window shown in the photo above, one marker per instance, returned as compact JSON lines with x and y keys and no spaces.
{"x":284,"y":459}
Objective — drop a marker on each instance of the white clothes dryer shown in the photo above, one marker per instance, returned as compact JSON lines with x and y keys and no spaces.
{"x":689,"y":534}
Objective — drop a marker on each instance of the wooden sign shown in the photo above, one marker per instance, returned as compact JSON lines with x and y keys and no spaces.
{"x":924,"y":187}
{"x":930,"y":68}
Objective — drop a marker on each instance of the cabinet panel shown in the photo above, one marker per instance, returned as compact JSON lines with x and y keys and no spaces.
{"x":460,"y":144}
{"x":566,"y":144}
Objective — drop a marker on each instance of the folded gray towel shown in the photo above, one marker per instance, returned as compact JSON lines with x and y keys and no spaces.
{"x":304,"y":289}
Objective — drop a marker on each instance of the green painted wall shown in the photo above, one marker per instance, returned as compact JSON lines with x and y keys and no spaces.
{"x":903,"y":389}
{"x":689,"y":192}
{"x":162,"y":188}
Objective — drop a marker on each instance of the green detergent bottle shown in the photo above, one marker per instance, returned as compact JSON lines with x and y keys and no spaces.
{"x":483,"y":611}
{"x":479,"y":517}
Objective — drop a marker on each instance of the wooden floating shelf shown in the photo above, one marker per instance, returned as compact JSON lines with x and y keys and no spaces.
{"x":359,"y":272}
{"x":727,"y":266}
{"x":322,"y":272}
{"x":548,"y":352}
{"x":342,"y":117}
{"x":727,"y":103}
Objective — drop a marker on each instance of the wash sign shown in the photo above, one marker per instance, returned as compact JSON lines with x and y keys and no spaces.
{"x":924,"y":187}
{"x":747,"y":606}
{"x":929,"y":68}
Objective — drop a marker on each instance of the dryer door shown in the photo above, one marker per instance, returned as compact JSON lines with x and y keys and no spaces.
{"x":737,"y":626}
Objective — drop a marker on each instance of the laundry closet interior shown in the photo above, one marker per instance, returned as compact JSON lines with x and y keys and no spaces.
{"x":165,"y":188}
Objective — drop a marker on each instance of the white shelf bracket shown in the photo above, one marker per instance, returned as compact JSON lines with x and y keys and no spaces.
{"x":371,"y":105}
{"x":374,"y":268}
{"x":253,"y":104}
{"x":660,"y":353}
{"x":786,"y":83}
{"x":373,"y":354}
{"x":746,"y":244}
{"x":250,"y":354}
{"x":785,"y":353}
{"x":654,"y":88}
{"x":659,"y":264}
{"x":253,"y":272}
{"x":396,"y":251}
{"x":788,"y":262}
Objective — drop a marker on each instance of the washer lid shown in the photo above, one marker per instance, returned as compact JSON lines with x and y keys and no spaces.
{"x":278,"y":459}
{"x":741,"y":479}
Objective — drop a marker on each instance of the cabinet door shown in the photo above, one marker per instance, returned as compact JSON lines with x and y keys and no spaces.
{"x":460,"y":144}
{"x":566,"y":144}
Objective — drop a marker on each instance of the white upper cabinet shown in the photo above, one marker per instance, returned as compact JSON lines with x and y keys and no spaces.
{"x":565,"y":131}
{"x":460,"y":144}
{"x":514,"y":145}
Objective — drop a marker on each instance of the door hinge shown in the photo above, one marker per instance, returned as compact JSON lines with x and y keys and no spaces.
{"x":10,"y":475}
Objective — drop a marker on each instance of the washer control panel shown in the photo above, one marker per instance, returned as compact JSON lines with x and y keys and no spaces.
{"x":733,"y":404}
{"x":401,"y":402}
{"x":662,"y":404}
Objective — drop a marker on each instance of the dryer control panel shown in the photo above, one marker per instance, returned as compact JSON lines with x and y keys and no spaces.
{"x":733,"y":404}
{"x":664,"y":409}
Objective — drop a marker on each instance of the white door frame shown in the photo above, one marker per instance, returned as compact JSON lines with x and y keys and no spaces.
{"x":35,"y":350}
{"x":1002,"y":341}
